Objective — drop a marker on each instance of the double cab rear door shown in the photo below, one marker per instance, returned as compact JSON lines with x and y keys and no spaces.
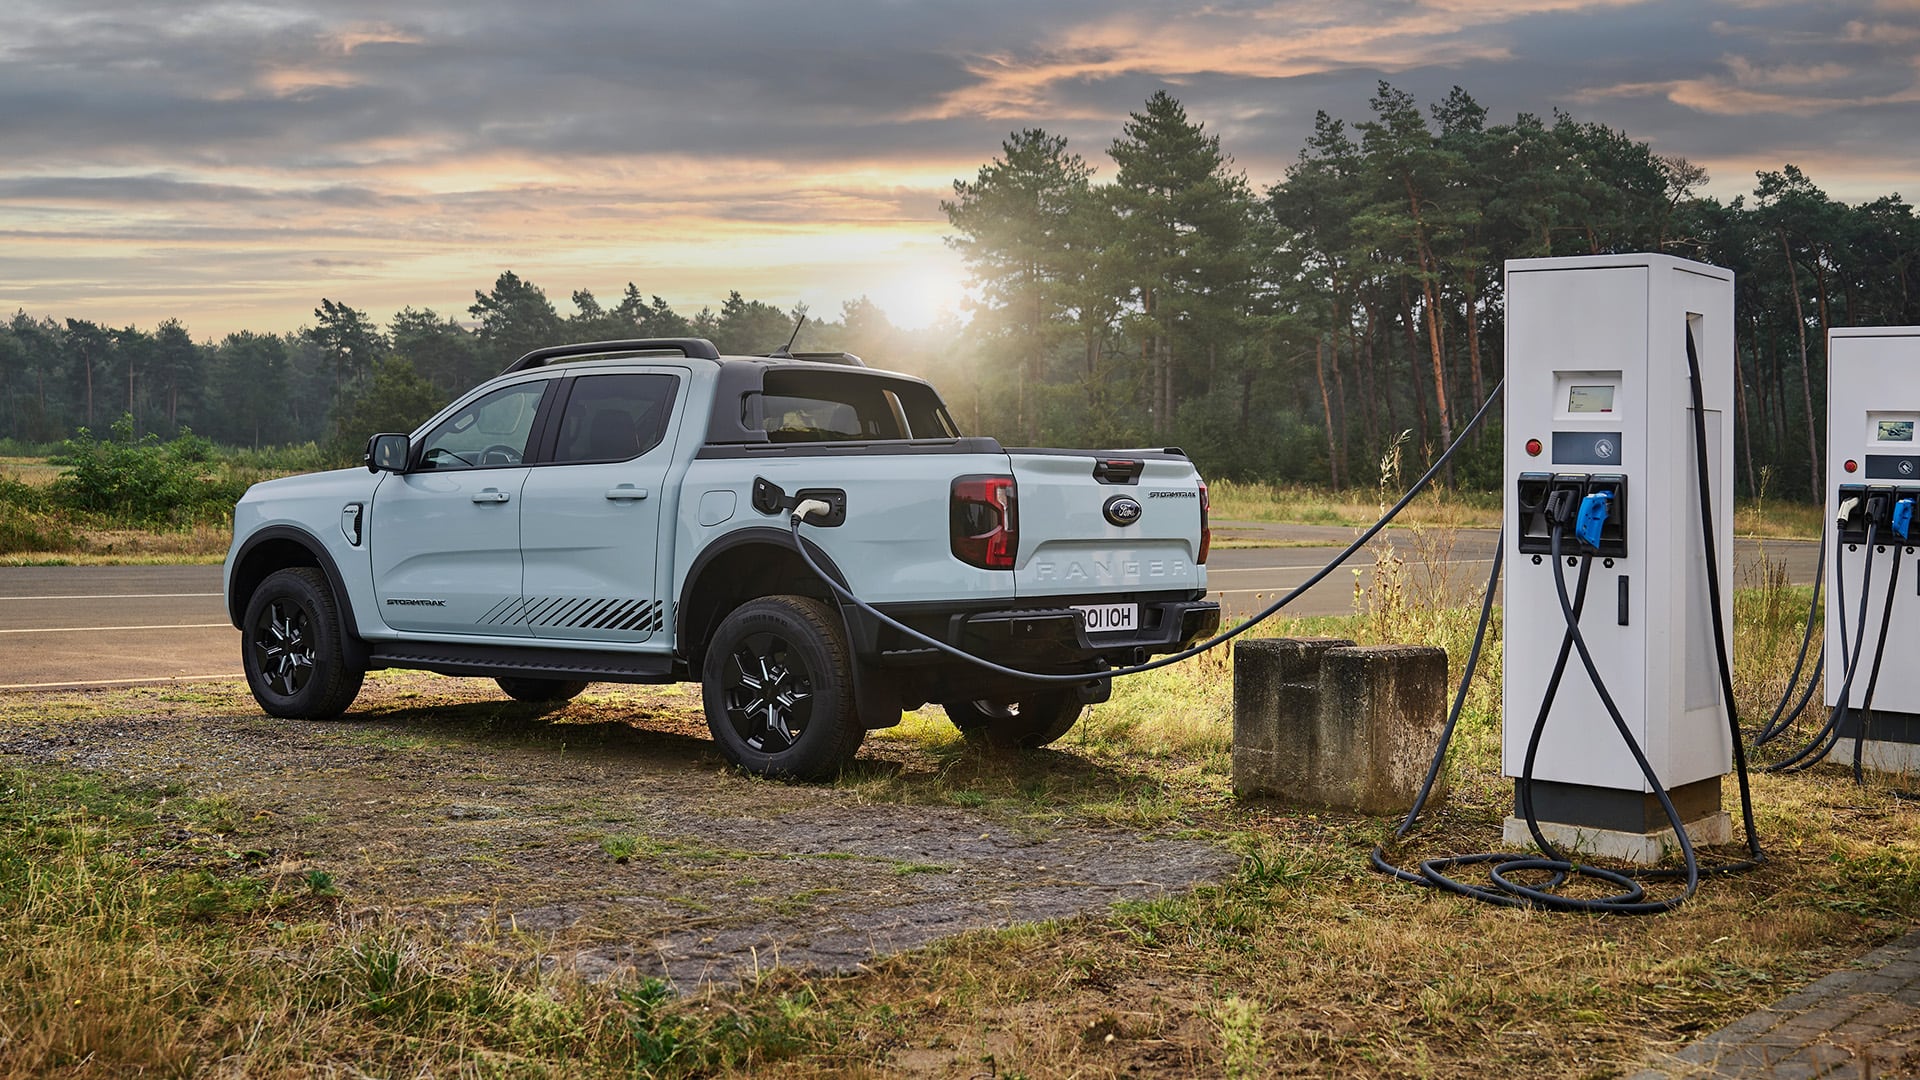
{"x":533,"y":511}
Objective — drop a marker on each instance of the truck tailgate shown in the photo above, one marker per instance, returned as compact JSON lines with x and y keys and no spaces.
{"x":1071,"y":545}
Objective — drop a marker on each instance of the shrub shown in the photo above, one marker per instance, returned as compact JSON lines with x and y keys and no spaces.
{"x":137,"y":481}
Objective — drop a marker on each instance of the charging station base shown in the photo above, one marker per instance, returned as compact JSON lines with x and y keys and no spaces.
{"x":1893,"y":742}
{"x":1625,"y":825}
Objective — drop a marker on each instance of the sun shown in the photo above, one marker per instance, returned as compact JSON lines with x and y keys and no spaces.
{"x":924,"y":291}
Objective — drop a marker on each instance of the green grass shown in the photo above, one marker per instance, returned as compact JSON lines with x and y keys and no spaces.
{"x":146,"y":934}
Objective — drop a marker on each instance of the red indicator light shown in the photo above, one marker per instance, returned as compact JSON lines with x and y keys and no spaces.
{"x":1851,"y":465}
{"x":1533,"y":447}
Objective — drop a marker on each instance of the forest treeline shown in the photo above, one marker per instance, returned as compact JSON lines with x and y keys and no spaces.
{"x":1288,"y":332}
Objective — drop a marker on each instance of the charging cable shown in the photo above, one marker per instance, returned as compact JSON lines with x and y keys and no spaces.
{"x":1873,"y":674}
{"x":808,"y":507}
{"x":1783,"y":718}
{"x":1823,"y":740}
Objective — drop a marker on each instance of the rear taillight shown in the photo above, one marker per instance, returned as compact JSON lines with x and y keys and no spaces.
{"x":982,"y":522}
{"x":1206,"y":530}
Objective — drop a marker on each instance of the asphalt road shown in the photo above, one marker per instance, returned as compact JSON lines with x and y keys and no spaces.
{"x":66,"y":626}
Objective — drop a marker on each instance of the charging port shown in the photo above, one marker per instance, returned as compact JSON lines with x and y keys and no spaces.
{"x":1879,"y":513}
{"x":1530,"y":513}
{"x":1613,"y":531}
{"x":1904,"y":503}
{"x":1546,"y":498}
{"x":1850,"y":514}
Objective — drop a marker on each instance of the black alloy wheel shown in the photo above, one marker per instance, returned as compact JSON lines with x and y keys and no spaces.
{"x":769,"y":693}
{"x":292,"y":650}
{"x":779,"y":690}
{"x":282,"y":644}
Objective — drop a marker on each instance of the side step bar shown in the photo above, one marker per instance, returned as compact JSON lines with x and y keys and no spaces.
{"x":497,"y":661}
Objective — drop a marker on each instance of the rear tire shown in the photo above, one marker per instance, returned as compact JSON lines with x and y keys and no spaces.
{"x":778,"y":687}
{"x":1032,"y":721}
{"x":291,"y":647}
{"x":540,"y":691}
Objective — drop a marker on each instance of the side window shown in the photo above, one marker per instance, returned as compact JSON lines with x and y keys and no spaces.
{"x":802,"y":405}
{"x":615,"y":417}
{"x":491,"y":432}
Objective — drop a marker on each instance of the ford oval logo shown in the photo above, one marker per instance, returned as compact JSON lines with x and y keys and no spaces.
{"x":1122,"y":510}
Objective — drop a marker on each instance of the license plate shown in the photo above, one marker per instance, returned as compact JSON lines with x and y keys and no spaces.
{"x":1109,"y":618}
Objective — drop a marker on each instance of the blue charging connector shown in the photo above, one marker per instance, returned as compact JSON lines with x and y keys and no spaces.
{"x":1903,"y":517}
{"x":1593,"y":514}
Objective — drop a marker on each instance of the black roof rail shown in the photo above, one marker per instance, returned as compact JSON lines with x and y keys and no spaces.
{"x":846,"y":359}
{"x":696,"y":348}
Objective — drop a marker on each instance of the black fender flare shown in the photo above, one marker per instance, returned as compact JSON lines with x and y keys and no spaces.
{"x":873,"y":693}
{"x":356,"y":650}
{"x":739,"y":538}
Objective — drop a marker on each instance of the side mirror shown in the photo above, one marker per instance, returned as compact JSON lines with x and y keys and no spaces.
{"x":387,"y":453}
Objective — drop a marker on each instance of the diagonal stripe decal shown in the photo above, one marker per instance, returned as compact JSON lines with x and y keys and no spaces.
{"x":618,"y":615}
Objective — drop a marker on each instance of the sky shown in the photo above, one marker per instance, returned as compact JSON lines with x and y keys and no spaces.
{"x":230,"y":164}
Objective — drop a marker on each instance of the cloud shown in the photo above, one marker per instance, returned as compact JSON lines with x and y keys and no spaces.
{"x":178,"y":157}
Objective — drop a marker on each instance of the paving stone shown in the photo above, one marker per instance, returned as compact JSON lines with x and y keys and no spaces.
{"x":1846,"y":1024}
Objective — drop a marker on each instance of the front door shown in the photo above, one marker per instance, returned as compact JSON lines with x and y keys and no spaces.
{"x":445,"y":535}
{"x":590,"y":516}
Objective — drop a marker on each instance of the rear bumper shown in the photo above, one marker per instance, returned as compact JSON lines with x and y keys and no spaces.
{"x":1043,"y":638}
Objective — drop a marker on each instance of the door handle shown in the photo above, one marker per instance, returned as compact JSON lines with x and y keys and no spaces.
{"x":491,"y":496}
{"x":626,"y":491}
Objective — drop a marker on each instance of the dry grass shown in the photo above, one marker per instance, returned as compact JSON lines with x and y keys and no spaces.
{"x":143,"y":938}
{"x":1297,"y":504}
{"x":30,"y":470}
{"x":196,"y":544}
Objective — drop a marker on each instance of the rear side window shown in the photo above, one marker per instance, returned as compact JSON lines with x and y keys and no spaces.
{"x":614,"y":417}
{"x":814,"y":406}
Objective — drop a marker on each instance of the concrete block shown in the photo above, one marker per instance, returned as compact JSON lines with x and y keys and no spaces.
{"x":1320,"y":722}
{"x":1276,"y":704}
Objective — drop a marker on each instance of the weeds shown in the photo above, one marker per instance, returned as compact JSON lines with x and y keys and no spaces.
{"x":143,"y":938}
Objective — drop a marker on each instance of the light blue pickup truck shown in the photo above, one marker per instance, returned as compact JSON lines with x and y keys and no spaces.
{"x":619,"y":512}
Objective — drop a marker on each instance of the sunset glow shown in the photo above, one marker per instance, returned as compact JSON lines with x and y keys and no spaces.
{"x":231,"y":164}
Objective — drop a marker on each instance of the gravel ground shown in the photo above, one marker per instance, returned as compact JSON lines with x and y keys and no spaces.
{"x":610,"y":827}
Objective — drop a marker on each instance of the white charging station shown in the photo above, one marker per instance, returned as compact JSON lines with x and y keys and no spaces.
{"x":1873,"y":463}
{"x":1599,"y":398}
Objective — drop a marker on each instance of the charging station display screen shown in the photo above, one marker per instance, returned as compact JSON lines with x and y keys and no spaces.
{"x":1895,"y":431}
{"x":1590,"y":398}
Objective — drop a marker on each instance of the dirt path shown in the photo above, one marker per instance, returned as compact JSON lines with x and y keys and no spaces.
{"x":610,"y":826}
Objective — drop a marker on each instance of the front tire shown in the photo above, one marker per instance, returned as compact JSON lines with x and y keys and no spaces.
{"x":540,"y":691}
{"x":1032,"y":721}
{"x":778,"y":686}
{"x":292,"y":650}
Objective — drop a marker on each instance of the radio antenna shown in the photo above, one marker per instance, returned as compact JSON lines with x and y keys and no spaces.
{"x":785,"y":352}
